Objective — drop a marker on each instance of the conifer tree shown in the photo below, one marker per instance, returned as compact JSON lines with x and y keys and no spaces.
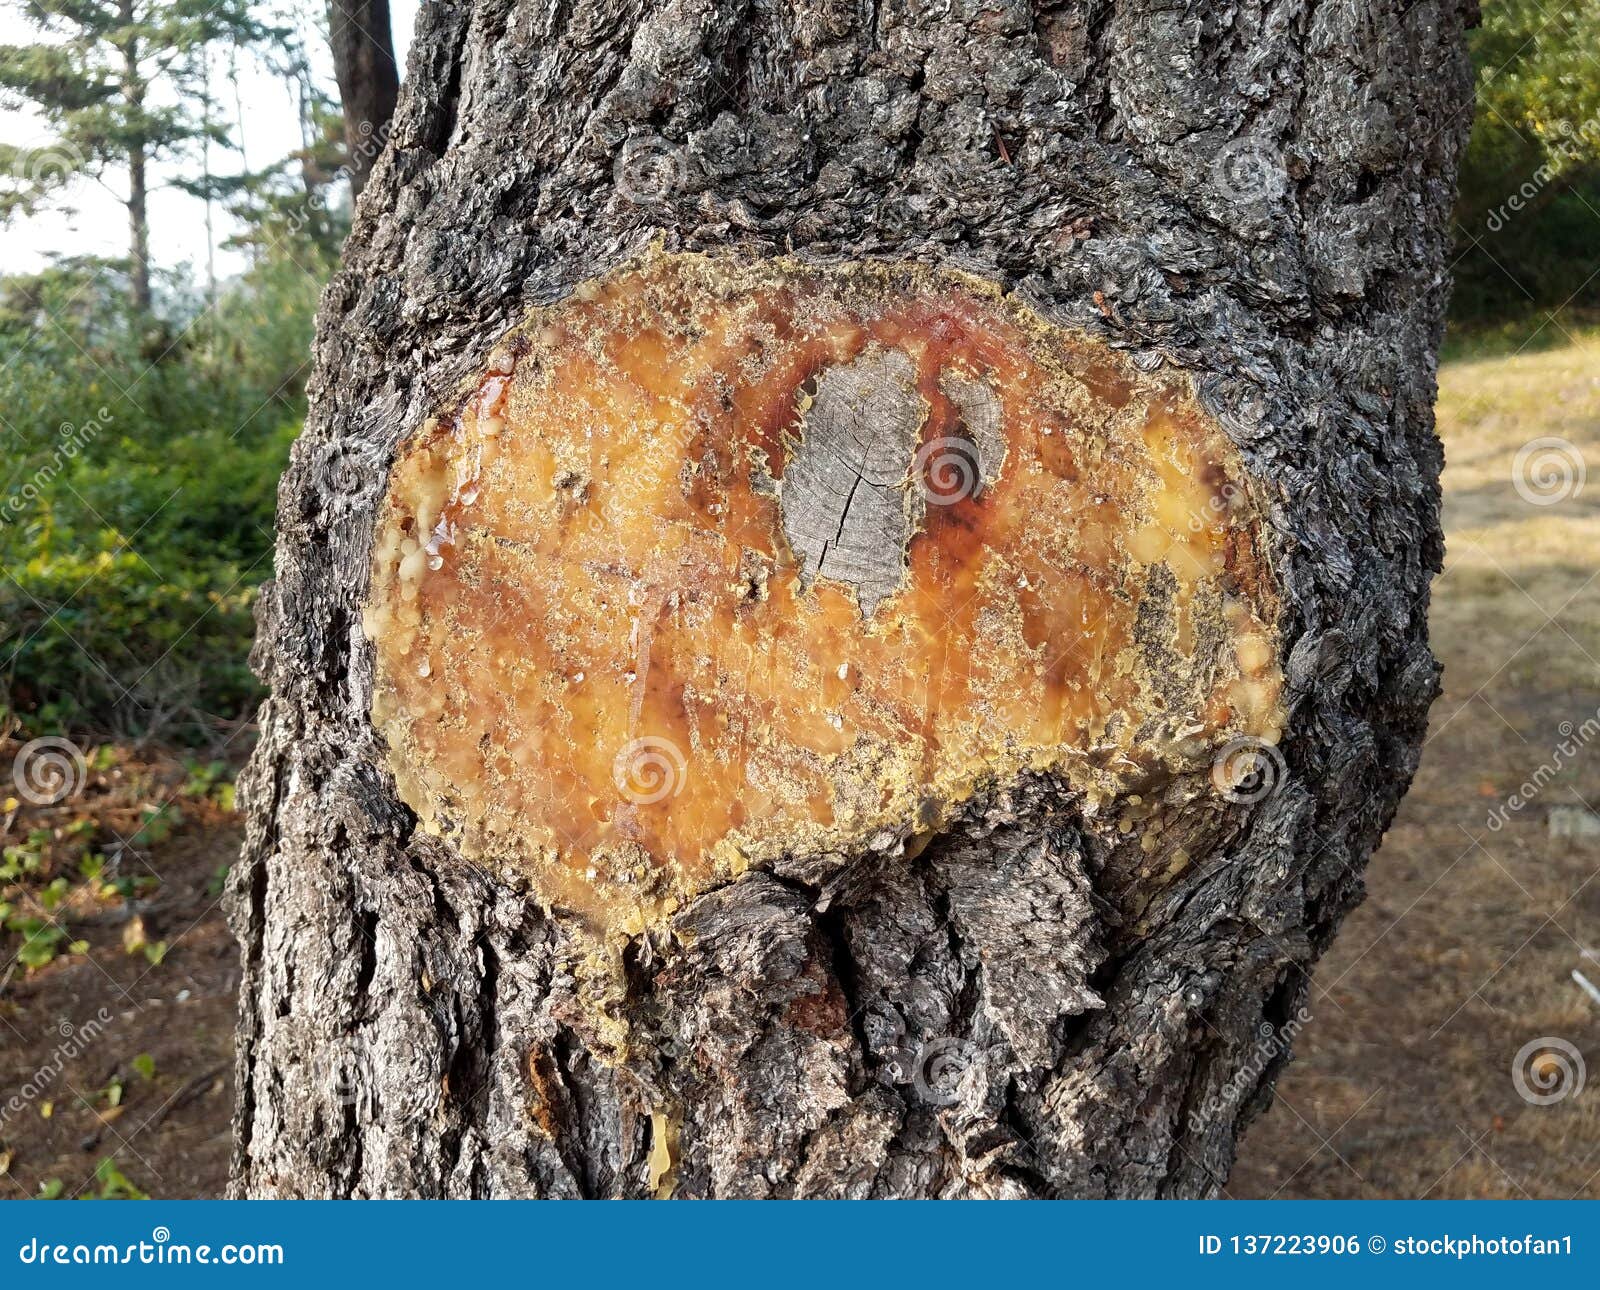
{"x":119,"y":83}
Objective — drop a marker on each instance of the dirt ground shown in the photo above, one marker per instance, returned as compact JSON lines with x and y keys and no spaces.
{"x":1465,"y":948}
{"x":120,"y":1048}
{"x":1403,"y":1085}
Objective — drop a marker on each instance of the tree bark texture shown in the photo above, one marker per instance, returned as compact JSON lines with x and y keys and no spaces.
{"x":362,"y":40}
{"x":1255,"y":194}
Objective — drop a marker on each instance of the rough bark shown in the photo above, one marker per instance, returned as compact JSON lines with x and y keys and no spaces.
{"x":1257,"y":195}
{"x":360,"y":35}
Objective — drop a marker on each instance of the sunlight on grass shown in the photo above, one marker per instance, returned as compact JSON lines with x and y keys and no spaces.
{"x":1515,"y":559}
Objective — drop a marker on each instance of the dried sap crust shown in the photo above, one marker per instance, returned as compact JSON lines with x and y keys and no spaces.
{"x":719,"y":561}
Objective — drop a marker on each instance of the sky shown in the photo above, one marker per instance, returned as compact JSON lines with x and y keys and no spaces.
{"x":90,"y":220}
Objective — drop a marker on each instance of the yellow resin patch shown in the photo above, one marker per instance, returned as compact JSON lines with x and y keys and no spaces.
{"x":716,"y":562}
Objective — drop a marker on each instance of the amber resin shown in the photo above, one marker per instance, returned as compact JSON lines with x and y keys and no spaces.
{"x":716,"y":562}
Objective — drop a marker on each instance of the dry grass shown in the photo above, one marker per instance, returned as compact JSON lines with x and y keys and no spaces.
{"x":1464,"y":949}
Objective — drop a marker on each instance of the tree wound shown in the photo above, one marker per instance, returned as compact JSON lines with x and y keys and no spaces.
{"x":847,"y":498}
{"x":717,"y":564}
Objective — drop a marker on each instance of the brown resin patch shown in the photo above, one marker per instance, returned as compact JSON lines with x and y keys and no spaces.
{"x":717,"y":562}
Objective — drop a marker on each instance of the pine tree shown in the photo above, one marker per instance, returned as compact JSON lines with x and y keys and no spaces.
{"x":92,"y":76}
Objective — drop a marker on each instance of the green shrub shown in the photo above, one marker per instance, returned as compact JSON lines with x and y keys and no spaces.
{"x":104,"y":640}
{"x":137,"y":501}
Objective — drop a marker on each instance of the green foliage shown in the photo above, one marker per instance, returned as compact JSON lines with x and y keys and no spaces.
{"x":89,"y":79}
{"x":137,"y":499}
{"x":110,"y":1184}
{"x":52,"y":875}
{"x":156,"y":824}
{"x":109,"y":640}
{"x":209,"y":781}
{"x":1529,"y":211}
{"x":285,"y":208}
{"x":42,"y":940}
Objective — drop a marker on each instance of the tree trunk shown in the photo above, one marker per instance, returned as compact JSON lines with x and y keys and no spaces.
{"x":133,"y":90}
{"x":1048,"y":992}
{"x":360,"y":34}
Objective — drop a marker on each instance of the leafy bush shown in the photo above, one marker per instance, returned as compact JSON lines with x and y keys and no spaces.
{"x":136,"y":515}
{"x":1530,"y":180}
{"x":106,"y":639}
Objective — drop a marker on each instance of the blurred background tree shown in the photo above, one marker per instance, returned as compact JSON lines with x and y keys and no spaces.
{"x":369,"y":82}
{"x":90,"y":77}
{"x":1528,"y":217}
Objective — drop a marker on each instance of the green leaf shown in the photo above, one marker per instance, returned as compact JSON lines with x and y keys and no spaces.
{"x":114,"y":1184}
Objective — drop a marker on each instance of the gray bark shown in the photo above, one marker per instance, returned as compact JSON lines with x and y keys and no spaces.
{"x":1256,"y":193}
